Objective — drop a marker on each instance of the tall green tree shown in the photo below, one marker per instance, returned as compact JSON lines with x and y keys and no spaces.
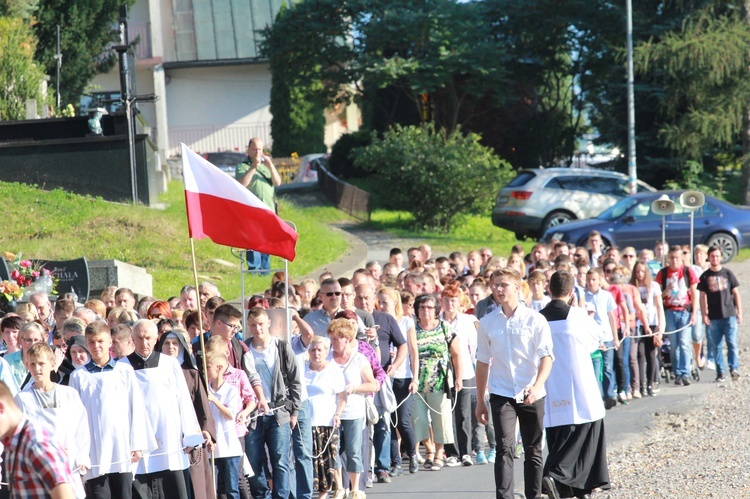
{"x":703,"y":69}
{"x":297,"y":107}
{"x":20,"y":77}
{"x":433,"y":53}
{"x":87,"y":27}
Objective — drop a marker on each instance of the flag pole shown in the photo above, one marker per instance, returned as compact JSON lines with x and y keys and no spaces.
{"x":203,"y":343}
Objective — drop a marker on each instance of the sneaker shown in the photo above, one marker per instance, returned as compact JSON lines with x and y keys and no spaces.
{"x":413,"y":464}
{"x":492,"y":454}
{"x":686,"y":380}
{"x":383,"y":477}
{"x":636,"y":394}
{"x":711,"y":365}
{"x":610,"y":403}
{"x":735,"y":375}
{"x":720,"y":378}
{"x":678,"y":381}
{"x":480,"y":458}
{"x":356,"y":494}
{"x":549,"y":487}
{"x":397,"y":471}
{"x":466,"y":460}
{"x":452,"y":462}
{"x":420,"y":459}
{"x":630,"y":396}
{"x":651,"y":392}
{"x":623,"y":398}
{"x":370,"y":479}
{"x":339,"y":494}
{"x":656,"y":388}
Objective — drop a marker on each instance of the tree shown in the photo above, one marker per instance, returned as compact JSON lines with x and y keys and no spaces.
{"x":298,"y":124}
{"x":20,"y":77}
{"x":703,"y":69}
{"x":434,"y":174}
{"x":435,"y":53}
{"x":86,"y":28}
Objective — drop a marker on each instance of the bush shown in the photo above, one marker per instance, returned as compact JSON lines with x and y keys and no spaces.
{"x":434,"y":174}
{"x":341,"y":161}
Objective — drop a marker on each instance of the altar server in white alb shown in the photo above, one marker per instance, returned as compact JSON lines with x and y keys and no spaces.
{"x":162,"y":472}
{"x":60,"y":407}
{"x":118,"y":421}
{"x":574,"y":411}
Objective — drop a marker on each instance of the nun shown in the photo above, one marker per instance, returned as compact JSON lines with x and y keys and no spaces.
{"x":574,"y":411}
{"x":174,"y":344}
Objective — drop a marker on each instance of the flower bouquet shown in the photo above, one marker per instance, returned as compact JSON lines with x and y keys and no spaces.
{"x":10,"y":292}
{"x":31,"y":277}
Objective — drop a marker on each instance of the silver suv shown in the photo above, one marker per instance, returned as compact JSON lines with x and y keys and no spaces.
{"x":538,"y":199}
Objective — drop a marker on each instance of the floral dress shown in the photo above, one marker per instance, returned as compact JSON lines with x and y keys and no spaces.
{"x":434,"y":356}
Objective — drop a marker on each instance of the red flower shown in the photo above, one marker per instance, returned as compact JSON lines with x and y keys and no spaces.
{"x":25,"y":264}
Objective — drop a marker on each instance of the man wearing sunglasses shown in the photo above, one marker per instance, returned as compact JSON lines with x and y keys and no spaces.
{"x":330,"y":295}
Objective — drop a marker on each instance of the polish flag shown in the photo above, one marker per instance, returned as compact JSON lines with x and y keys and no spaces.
{"x":222,"y":209}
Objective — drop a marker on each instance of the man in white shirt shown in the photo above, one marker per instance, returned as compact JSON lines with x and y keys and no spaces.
{"x":518,"y":342}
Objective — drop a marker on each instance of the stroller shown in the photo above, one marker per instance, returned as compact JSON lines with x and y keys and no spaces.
{"x":665,"y":363}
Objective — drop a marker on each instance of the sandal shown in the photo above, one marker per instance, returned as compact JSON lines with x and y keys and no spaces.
{"x":428,"y":464}
{"x":437,"y":464}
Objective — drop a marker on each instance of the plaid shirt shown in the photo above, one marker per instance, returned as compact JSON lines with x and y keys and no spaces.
{"x":34,"y":462}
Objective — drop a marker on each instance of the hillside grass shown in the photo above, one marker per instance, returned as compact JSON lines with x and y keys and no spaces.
{"x":60,"y":225}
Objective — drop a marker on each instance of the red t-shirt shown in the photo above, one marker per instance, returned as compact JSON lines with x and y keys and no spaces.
{"x":677,"y":294}
{"x":619,"y":298}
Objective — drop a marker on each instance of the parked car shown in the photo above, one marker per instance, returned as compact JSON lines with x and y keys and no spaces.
{"x":631,"y":222}
{"x":226,"y":161}
{"x":308,"y":168}
{"x":538,"y":199}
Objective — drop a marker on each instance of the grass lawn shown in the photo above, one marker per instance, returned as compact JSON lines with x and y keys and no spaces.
{"x":61,"y":225}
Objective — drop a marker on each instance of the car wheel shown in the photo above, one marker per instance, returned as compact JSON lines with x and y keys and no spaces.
{"x":727,"y":244}
{"x":556,"y":218}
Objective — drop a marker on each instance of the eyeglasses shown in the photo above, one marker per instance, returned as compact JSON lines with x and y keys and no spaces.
{"x":331,"y":293}
{"x":233,"y":327}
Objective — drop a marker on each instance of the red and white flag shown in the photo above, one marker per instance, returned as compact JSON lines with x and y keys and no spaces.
{"x":221,"y":208}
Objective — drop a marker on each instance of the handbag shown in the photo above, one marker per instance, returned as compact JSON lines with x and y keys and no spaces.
{"x":449,"y":383}
{"x":385,"y":399}
{"x":371,"y":412}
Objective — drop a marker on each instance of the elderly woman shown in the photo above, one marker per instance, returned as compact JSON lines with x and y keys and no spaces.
{"x":174,"y":344}
{"x":436,"y":349}
{"x":360,"y":381}
{"x":326,"y":392}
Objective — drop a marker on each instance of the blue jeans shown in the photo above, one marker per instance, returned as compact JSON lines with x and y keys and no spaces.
{"x":257,"y":260}
{"x":302,"y":445}
{"x":725,"y":329}
{"x":608,"y":359}
{"x":381,"y":441}
{"x":268,"y":433}
{"x":625,"y":359}
{"x":351,"y":434}
{"x":228,"y":476}
{"x":679,"y":343}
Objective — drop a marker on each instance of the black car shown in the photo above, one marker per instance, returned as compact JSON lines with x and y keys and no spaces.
{"x":631,"y":222}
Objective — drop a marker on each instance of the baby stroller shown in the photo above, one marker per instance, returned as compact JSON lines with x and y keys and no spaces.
{"x":665,"y":363}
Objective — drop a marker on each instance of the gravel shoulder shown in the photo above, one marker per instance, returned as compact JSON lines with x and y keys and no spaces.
{"x":699,"y":447}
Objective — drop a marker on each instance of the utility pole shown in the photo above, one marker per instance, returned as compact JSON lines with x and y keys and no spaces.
{"x":632,"y":169}
{"x":58,"y":63}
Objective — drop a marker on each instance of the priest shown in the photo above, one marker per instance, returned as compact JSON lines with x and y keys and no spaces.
{"x":163,"y":472}
{"x":574,"y":411}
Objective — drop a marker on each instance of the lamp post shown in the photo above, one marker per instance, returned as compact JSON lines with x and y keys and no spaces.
{"x":632,"y":170}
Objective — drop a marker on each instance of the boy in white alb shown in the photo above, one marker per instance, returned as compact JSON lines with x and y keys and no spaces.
{"x":117,"y":416}
{"x":60,"y":407}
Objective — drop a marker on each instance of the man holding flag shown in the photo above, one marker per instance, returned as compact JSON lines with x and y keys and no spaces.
{"x":260,"y":176}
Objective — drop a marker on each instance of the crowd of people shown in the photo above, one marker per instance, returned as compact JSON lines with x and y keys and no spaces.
{"x":328,"y":386}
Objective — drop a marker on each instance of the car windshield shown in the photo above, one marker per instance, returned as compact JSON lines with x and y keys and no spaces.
{"x":618,"y":209}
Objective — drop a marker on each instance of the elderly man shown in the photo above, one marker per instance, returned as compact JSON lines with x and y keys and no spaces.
{"x":260,"y":176}
{"x":43,"y":306}
{"x":188,"y":298}
{"x":171,"y":414}
{"x":207,"y":290}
